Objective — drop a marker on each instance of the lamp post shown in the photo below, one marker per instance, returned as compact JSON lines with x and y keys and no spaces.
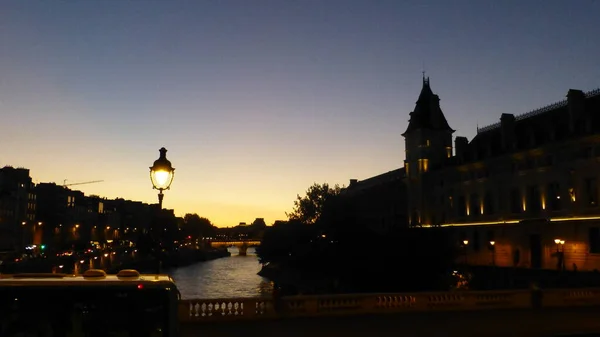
{"x":560,"y":254}
{"x":161,"y":175}
{"x":493,"y":249}
{"x":465,"y":244}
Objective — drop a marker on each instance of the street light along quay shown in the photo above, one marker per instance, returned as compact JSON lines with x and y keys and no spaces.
{"x":161,"y":175}
{"x":493,"y":249}
{"x":465,"y":245}
{"x":560,"y":253}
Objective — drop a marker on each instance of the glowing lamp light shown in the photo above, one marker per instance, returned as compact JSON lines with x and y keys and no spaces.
{"x":465,"y":242}
{"x":492,"y":243}
{"x":162,"y":172}
{"x":161,"y":179}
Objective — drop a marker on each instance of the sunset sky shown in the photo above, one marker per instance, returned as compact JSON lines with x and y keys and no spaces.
{"x":257,"y":99}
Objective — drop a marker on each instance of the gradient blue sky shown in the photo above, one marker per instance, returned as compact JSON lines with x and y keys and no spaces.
{"x":255,"y":99}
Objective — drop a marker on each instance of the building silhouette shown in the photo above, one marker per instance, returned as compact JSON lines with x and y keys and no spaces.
{"x":17,"y":206}
{"x":58,"y":218}
{"x":517,"y":187}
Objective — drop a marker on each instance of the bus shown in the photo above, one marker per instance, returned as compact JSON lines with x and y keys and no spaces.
{"x":93,"y":304}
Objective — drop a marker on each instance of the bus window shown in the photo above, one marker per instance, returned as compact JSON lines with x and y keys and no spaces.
{"x":87,"y":311}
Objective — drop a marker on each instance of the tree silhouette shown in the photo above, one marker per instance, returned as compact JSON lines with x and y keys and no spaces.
{"x":197,"y":226}
{"x":308,"y":209}
{"x":343,"y":247}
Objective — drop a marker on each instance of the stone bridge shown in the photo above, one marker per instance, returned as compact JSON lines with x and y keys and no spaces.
{"x":242,"y":245}
{"x":558,"y":312}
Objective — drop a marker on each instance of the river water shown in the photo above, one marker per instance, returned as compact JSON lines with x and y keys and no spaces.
{"x":226,"y":277}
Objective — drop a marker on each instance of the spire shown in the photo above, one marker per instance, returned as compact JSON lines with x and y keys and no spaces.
{"x":427,"y":113}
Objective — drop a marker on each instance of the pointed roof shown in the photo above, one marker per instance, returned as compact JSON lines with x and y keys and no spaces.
{"x":427,"y":113}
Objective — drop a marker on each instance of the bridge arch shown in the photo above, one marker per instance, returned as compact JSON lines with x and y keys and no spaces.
{"x":241,"y":245}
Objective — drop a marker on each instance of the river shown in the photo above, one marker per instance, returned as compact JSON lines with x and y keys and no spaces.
{"x":226,"y":277}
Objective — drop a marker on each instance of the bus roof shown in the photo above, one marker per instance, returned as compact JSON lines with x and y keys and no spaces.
{"x":48,"y":279}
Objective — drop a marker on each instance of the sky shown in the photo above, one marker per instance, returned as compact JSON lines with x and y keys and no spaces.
{"x":256,"y":100}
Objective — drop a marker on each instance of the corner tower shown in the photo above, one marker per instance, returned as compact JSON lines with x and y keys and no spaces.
{"x":427,"y":143}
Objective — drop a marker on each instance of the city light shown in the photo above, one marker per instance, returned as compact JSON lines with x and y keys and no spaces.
{"x":161,"y":174}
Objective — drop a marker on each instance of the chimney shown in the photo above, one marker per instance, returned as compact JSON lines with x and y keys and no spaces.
{"x":460,"y":146}
{"x":507,"y":129}
{"x":353,"y":181}
{"x":576,"y":106}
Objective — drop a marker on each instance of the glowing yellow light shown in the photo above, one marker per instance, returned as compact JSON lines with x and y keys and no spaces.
{"x":481,"y":223}
{"x":162,"y":179}
{"x":577,"y":218}
{"x":543,"y":201}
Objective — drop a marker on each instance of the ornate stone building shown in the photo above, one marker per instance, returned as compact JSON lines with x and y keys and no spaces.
{"x":515,"y":189}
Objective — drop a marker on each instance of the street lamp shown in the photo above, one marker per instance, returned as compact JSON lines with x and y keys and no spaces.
{"x":560,"y":255}
{"x":465,"y":244}
{"x":493,"y":249}
{"x":161,"y":175}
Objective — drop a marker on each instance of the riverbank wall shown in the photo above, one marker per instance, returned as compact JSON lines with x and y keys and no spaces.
{"x":142,"y":264}
{"x":294,"y":281}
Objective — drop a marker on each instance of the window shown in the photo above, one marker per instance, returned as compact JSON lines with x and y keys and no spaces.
{"x":547,"y":161}
{"x":594,"y":240}
{"x":553,"y":201}
{"x":515,"y":201}
{"x":476,"y":243}
{"x":591,"y":192}
{"x":488,"y":205}
{"x":533,"y":198}
{"x":462,"y":206}
{"x":586,"y":153}
{"x":474,"y":204}
{"x":423,"y":165}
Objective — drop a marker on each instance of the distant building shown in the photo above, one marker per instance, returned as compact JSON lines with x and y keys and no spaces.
{"x":521,"y":183}
{"x":17,"y":207}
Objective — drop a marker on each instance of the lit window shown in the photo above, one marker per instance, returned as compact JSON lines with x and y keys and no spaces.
{"x":423,"y":165}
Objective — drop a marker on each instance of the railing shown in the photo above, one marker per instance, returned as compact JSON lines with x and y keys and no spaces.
{"x":539,"y":111}
{"x":198,"y":310}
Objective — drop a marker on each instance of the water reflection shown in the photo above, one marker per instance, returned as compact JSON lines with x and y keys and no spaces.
{"x":233,"y":276}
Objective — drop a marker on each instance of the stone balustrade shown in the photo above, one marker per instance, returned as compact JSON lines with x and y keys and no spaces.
{"x":198,"y":310}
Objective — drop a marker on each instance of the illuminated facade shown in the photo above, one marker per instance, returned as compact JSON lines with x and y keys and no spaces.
{"x":523,"y":183}
{"x":515,"y":188}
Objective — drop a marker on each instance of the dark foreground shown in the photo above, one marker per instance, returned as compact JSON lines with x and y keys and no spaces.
{"x":505,"y":323}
